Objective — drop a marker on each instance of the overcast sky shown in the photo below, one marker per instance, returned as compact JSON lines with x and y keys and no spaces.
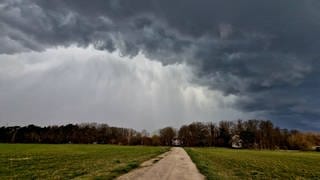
{"x":147,"y":64}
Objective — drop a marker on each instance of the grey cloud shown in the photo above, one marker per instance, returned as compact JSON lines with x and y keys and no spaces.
{"x":263,"y":51}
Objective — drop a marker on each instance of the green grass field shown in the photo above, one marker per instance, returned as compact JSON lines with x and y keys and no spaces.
{"x":42,"y":161}
{"x":219,"y":163}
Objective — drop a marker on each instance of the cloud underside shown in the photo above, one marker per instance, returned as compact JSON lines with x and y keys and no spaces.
{"x":77,"y":85}
{"x":263,"y":53}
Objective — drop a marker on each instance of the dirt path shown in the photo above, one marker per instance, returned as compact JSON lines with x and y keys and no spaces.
{"x":175,"y":164}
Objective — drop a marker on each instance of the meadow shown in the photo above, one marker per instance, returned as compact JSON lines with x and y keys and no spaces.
{"x":220,"y":163}
{"x":66,"y":161}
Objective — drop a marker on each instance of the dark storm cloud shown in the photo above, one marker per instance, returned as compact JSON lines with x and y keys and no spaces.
{"x":265,"y":52}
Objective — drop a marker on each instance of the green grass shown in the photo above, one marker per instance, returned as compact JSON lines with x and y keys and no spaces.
{"x":220,"y":163}
{"x":43,"y":161}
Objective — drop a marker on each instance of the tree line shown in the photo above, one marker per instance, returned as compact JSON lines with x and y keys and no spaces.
{"x":254,"y":134}
{"x":257,"y":134}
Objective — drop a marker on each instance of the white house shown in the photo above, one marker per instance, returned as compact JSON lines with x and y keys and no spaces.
{"x":176,"y":142}
{"x":236,"y":142}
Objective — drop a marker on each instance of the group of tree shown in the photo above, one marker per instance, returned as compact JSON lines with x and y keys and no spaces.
{"x":77,"y":134}
{"x":255,"y":134}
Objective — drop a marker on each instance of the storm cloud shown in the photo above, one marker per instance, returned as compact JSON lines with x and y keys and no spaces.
{"x":76,"y":85}
{"x":264,"y":53}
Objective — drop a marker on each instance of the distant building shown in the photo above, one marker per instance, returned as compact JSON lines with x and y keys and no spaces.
{"x":316,"y":148}
{"x":236,"y":142}
{"x":176,"y":142}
